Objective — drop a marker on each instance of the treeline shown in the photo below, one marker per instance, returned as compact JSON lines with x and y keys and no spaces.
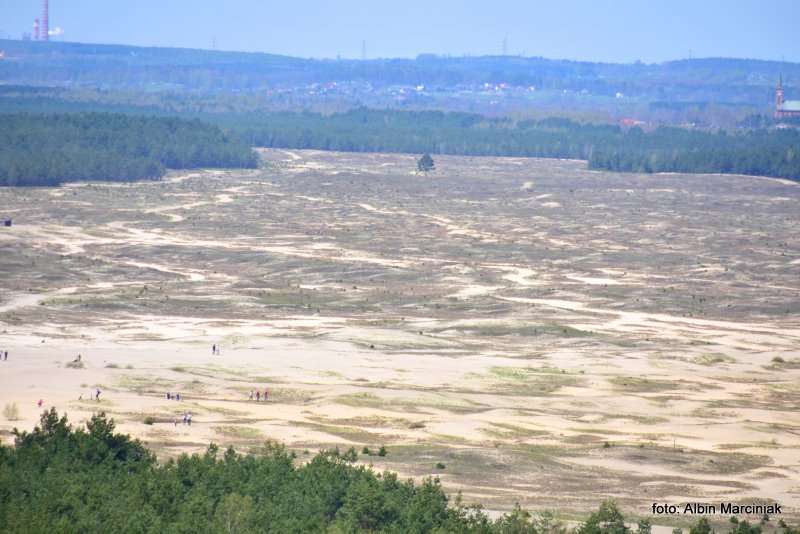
{"x":50,"y":149}
{"x":367,"y":130}
{"x":768,"y":152}
{"x":59,"y":479}
{"x":756,"y":152}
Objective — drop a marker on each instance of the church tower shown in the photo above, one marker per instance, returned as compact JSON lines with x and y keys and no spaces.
{"x":779,"y":94}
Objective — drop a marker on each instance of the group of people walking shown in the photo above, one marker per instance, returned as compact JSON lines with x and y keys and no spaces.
{"x":4,"y":355}
{"x":93,"y":395}
{"x":257,"y":395}
{"x":187,"y":416}
{"x":187,"y":419}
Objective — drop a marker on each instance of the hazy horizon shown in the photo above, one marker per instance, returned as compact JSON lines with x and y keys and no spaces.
{"x":625,"y":32}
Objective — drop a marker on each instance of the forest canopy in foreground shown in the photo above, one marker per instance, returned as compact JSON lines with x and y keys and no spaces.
{"x":761,"y":152}
{"x":59,"y":479}
{"x":50,"y":149}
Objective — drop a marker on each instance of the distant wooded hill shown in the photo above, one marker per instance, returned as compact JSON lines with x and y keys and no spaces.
{"x":741,"y":81}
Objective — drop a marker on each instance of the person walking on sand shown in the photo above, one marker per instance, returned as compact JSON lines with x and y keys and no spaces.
{"x":39,"y":404}
{"x":175,"y":420}
{"x":213,"y":349}
{"x":97,"y":395}
{"x":266,"y":394}
{"x":258,"y":396}
{"x":189,"y":419}
{"x":184,"y":418}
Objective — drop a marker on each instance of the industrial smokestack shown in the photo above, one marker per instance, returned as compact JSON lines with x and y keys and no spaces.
{"x":44,"y":31}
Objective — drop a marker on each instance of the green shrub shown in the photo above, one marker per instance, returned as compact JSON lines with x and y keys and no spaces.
{"x":149,"y":420}
{"x":351,"y":455}
{"x":382,"y":451}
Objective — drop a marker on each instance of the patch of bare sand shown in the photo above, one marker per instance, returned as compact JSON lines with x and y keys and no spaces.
{"x":735,"y":334}
{"x":547,"y":351}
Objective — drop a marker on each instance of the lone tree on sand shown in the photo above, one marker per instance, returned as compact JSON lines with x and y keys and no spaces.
{"x":425,"y":163}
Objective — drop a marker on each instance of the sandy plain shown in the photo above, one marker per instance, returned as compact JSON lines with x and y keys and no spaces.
{"x":554,"y":336}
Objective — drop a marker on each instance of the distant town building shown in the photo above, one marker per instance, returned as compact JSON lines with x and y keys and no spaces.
{"x":785,"y":108}
{"x":626,"y":122}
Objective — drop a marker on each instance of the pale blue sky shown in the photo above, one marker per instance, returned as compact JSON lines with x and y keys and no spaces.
{"x":610,"y":30}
